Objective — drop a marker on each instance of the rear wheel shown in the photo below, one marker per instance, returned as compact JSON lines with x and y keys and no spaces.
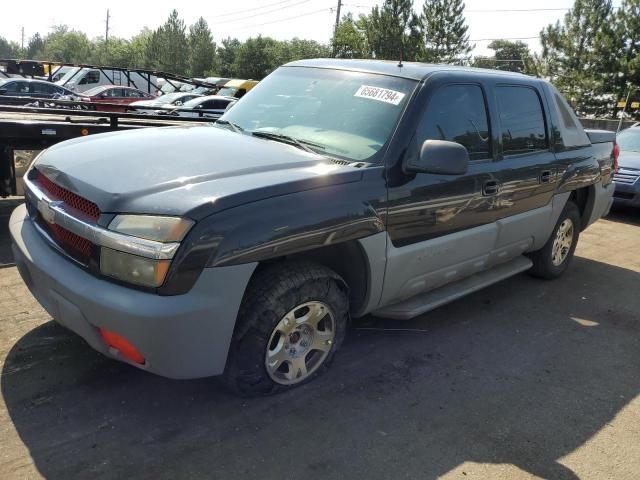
{"x":553,"y":259}
{"x":291,"y":322}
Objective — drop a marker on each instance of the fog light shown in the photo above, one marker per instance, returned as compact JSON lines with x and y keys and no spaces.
{"x":122,"y":345}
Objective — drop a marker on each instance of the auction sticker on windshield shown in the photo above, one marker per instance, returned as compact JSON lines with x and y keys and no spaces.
{"x":380,"y":94}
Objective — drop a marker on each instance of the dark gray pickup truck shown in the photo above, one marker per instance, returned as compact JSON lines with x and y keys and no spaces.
{"x":332,"y":190}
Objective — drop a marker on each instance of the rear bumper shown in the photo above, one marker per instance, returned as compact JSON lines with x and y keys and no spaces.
{"x":182,"y":336}
{"x":602,"y":201}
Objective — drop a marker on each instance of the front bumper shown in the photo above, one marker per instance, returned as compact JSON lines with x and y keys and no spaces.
{"x":182,"y":336}
{"x":627,"y":194}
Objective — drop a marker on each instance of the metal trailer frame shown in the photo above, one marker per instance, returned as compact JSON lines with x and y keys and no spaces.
{"x":36,"y":68}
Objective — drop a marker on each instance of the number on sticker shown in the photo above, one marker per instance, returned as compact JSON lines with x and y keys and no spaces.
{"x":380,"y":94}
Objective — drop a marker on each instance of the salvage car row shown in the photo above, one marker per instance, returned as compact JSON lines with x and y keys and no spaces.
{"x":111,"y":97}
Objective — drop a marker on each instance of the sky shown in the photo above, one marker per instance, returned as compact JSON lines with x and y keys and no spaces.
{"x":281,"y":19}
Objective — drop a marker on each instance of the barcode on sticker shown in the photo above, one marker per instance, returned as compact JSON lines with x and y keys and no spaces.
{"x":380,"y":94}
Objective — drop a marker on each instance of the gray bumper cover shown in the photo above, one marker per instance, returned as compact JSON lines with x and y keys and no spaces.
{"x":184,"y":336}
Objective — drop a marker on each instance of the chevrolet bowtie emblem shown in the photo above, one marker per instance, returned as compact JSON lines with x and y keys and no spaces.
{"x":46,"y":210}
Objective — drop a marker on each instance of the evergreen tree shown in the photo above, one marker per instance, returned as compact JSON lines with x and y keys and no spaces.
{"x":624,"y":60}
{"x":35,"y":47}
{"x":168,"y":46}
{"x":393,"y":30}
{"x":226,"y":57}
{"x":202,"y":49}
{"x":444,"y":32}
{"x":508,"y":56}
{"x":577,"y":55}
{"x":350,"y":40}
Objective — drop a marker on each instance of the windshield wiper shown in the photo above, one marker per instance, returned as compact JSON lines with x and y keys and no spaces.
{"x":279,"y":137}
{"x":236,"y":128}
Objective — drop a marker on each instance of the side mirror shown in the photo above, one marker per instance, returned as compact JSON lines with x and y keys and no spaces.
{"x":178,"y":103}
{"x":3,"y":91}
{"x":440,"y":157}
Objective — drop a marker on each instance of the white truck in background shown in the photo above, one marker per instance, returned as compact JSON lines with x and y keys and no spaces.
{"x":81,"y":79}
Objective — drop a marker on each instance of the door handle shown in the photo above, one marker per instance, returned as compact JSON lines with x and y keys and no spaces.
{"x":490,"y":187}
{"x":545,"y":177}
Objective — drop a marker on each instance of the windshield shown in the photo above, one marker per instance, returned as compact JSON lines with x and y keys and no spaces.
{"x":629,"y":140}
{"x":168,"y":98}
{"x":68,"y":75}
{"x":346,"y":114}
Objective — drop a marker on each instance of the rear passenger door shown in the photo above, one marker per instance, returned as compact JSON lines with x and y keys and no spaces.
{"x":527,"y":172}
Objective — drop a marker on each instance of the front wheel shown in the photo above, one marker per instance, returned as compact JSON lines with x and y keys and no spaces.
{"x":555,"y":256}
{"x":291,"y":322}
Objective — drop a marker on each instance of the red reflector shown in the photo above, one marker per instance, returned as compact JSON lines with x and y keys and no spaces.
{"x":121,"y":344}
{"x":616,"y":154}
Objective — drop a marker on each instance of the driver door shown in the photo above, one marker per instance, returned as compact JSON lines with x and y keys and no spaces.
{"x":442,"y":227}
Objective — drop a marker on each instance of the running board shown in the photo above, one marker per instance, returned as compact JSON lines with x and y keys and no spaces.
{"x":424,"y":302}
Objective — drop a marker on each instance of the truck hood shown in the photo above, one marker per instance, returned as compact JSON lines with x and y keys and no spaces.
{"x":629,"y":159}
{"x":192,"y":170}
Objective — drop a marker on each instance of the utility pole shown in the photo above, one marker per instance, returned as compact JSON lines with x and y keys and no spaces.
{"x":22,"y":39}
{"x":106,"y":32}
{"x":335,"y":30}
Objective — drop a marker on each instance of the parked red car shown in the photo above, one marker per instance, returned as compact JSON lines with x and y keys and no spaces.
{"x":114,"y":94}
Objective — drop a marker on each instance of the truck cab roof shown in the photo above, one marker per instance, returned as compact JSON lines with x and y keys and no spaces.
{"x":410,"y":70}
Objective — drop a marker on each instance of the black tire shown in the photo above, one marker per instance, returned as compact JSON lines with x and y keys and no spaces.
{"x":273,"y":292}
{"x":543,"y":265}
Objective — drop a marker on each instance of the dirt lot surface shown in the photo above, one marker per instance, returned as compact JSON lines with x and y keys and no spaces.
{"x":524,"y":379}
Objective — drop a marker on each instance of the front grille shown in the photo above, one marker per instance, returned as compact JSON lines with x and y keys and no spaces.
{"x":71,"y":200}
{"x":628,"y":177}
{"x":73,"y":245}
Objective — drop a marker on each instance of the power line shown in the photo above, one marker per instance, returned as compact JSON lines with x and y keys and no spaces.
{"x":262,"y":7}
{"x":501,"y":10}
{"x":325,"y":10}
{"x":504,"y":38}
{"x":259,"y":14}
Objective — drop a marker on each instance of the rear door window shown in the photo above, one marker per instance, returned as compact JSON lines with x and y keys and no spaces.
{"x":458,"y":113}
{"x":521,"y":120}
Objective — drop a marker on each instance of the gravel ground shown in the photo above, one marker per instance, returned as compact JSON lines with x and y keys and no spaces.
{"x":524,"y":379}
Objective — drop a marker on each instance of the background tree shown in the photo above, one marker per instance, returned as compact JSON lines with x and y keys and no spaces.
{"x":202,"y":49}
{"x":256,"y":58}
{"x":226,"y":57}
{"x":444,"y":32}
{"x":508,"y":56}
{"x":575,"y":55}
{"x":7,"y":49}
{"x":167,"y":46}
{"x":350,"y":40}
{"x":35,"y":48}
{"x":69,"y":46}
{"x":624,"y":57}
{"x":391,"y":29}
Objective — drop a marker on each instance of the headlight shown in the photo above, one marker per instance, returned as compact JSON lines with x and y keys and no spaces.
{"x":133,"y":269}
{"x":160,"y":229}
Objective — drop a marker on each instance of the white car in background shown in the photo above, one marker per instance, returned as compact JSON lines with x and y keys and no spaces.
{"x":210,"y":106}
{"x":163,"y":103}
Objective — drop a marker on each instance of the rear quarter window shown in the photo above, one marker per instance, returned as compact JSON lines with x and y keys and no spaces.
{"x":570,"y":133}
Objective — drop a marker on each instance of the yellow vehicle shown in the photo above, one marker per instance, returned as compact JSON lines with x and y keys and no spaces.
{"x":237,"y":88}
